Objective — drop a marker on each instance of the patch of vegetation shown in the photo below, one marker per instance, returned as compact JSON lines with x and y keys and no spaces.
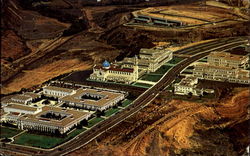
{"x":143,"y":85}
{"x":175,"y":60}
{"x":6,"y":132}
{"x":126,"y":103}
{"x":163,"y":69}
{"x":43,"y":141}
{"x":94,"y":121}
{"x":111,"y":111}
{"x":149,"y":77}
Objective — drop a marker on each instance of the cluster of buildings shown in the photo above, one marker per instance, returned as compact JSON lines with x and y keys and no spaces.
{"x":188,"y":86}
{"x":151,"y":20}
{"x":220,"y":66}
{"x":18,"y":109}
{"x":223,"y":66}
{"x":130,"y":70}
{"x":85,"y":98}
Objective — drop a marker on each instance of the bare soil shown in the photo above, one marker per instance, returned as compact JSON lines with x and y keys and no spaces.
{"x":177,"y":127}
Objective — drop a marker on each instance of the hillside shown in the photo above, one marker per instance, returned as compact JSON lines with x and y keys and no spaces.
{"x":43,"y":33}
{"x":174,"y":127}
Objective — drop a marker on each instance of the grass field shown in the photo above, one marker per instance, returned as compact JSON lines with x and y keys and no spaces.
{"x":6,"y":132}
{"x":126,"y":103}
{"x":94,"y":121}
{"x":175,"y":60}
{"x":150,"y":77}
{"x":143,"y":85}
{"x":111,"y":111}
{"x":43,"y":141}
{"x":163,"y":69}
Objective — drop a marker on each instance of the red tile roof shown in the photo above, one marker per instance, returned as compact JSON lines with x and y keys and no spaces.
{"x":115,"y":68}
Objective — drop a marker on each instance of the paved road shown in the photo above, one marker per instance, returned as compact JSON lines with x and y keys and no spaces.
{"x":137,"y":105}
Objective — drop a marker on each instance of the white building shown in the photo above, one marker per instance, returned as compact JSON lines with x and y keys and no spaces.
{"x":226,"y":67}
{"x":24,"y":98}
{"x":187,"y":86}
{"x":92,"y":99}
{"x":68,"y":119}
{"x":22,"y":109}
{"x":130,"y":69}
{"x":149,"y":59}
{"x":221,"y":73}
{"x":57,"y":91}
{"x":224,"y":59}
{"x":115,"y":73}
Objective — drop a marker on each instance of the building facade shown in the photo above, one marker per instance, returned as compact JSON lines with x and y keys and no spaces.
{"x":130,"y":69}
{"x":57,"y":91}
{"x":149,"y":59}
{"x":25,"y":98}
{"x":220,"y":73}
{"x":39,"y":121}
{"x":224,"y":59}
{"x":115,"y":73}
{"x":22,"y":109}
{"x":226,"y":67}
{"x":188,"y":86}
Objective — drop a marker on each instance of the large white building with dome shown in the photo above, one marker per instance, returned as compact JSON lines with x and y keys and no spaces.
{"x":130,"y":69}
{"x":116,"y":73}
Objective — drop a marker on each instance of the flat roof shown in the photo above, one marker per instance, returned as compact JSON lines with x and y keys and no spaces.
{"x":72,"y":116}
{"x":32,"y":95}
{"x":150,"y":51}
{"x":207,"y":65}
{"x":54,"y":88}
{"x":21,"y":107}
{"x":187,"y":81}
{"x":21,"y":97}
{"x":106,"y":97}
{"x":228,"y":56}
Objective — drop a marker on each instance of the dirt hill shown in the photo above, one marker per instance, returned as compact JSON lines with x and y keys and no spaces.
{"x":180,"y":128}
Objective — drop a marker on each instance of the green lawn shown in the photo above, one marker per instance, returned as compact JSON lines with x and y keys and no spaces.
{"x":8,"y":132}
{"x":162,"y":70}
{"x":175,"y":60}
{"x":111,"y":111}
{"x":149,"y":77}
{"x":94,"y":121}
{"x":126,"y":103}
{"x":43,"y":141}
{"x":143,"y":85}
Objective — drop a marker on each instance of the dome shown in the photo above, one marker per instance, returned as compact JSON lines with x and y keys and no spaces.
{"x":106,"y":64}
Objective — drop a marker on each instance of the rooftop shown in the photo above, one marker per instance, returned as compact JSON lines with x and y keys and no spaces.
{"x":72,"y":116}
{"x":106,"y":97}
{"x":21,"y":97}
{"x":54,"y":88}
{"x":21,"y":107}
{"x":228,"y":56}
{"x":188,"y":81}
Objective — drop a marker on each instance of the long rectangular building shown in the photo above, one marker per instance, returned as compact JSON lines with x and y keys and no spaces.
{"x":149,"y":59}
{"x":220,"y":73}
{"x":225,"y":59}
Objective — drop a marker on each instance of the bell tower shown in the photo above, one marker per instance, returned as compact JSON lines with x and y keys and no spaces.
{"x":136,"y":68}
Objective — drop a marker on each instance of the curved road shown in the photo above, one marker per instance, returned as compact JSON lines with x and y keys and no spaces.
{"x":142,"y":101}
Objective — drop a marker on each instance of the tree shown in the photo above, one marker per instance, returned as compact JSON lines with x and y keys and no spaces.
{"x":190,"y":94}
{"x":99,"y":113}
